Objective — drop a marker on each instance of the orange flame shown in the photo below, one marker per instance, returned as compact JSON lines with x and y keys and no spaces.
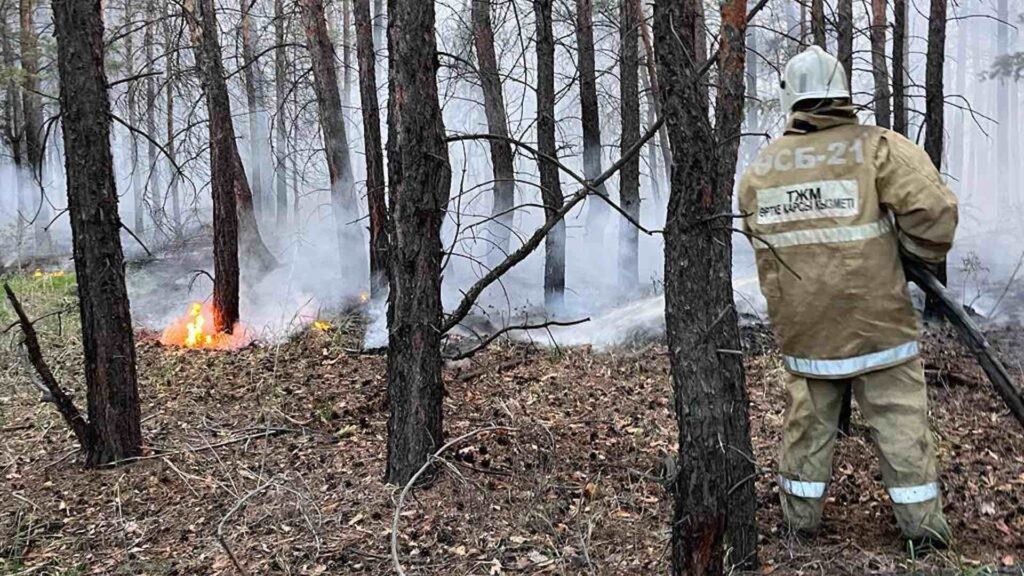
{"x":195,"y":330}
{"x":322,"y":325}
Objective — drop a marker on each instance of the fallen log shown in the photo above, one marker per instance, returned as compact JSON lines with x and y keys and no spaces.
{"x":971,"y":336}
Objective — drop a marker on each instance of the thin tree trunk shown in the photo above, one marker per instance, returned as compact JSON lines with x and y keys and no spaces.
{"x":701,"y":319}
{"x":32,"y":108}
{"x":281,"y":124}
{"x":629,"y":174}
{"x":346,"y":51}
{"x":344,"y":202}
{"x":878,"y":64}
{"x":844,"y":38}
{"x":550,"y":185}
{"x":419,"y":181}
{"x":501,"y":151}
{"x":138,"y":185}
{"x":259,"y":129}
{"x":107,"y":337}
{"x":957,"y":142}
{"x":818,"y":23}
{"x":899,"y":67}
{"x":651,"y":64}
{"x":590,"y":114}
{"x":173,"y":61}
{"x":14,"y":132}
{"x":652,"y":145}
{"x":1004,"y":173}
{"x":153,"y":180}
{"x":373,"y":150}
{"x":753,"y":97}
{"x":934,"y":103}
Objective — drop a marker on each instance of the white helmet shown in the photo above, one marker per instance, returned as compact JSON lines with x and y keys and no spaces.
{"x":810,"y":75}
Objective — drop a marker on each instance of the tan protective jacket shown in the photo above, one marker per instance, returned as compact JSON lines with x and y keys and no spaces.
{"x":835,"y":201}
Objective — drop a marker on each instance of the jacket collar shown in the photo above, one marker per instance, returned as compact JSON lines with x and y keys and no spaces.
{"x":822,"y":119}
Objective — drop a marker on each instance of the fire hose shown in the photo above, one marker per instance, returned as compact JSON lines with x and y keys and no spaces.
{"x":970,"y":335}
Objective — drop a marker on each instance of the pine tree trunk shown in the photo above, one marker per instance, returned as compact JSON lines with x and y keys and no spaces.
{"x":550,"y":185}
{"x":281,"y":124}
{"x":652,"y":145}
{"x":751,"y":145}
{"x":701,"y":320}
{"x":629,"y":174}
{"x":259,"y":126}
{"x":135,"y":170}
{"x":934,"y":103}
{"x":500,"y":229}
{"x":153,"y":167}
{"x":844,"y":38}
{"x":878,"y":64}
{"x":39,"y":213}
{"x":14,"y":132}
{"x":346,"y":52}
{"x":375,"y":190}
{"x":590,"y":114}
{"x":107,"y":338}
{"x":344,"y":202}
{"x":173,"y":62}
{"x":818,"y":23}
{"x":899,"y":67}
{"x":652,"y":76}
{"x":741,"y":522}
{"x":1004,"y":175}
{"x":419,"y":181}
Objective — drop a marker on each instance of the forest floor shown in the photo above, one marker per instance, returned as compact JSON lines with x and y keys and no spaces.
{"x":276,"y":454}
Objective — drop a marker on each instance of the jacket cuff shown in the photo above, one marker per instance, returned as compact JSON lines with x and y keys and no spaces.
{"x":931,"y":253}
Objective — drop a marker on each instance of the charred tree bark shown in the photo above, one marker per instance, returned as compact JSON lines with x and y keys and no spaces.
{"x":32,"y":125}
{"x":899,"y":67}
{"x":419,"y":181}
{"x":590,"y":114}
{"x":844,"y":38}
{"x":107,"y":337}
{"x":818,"y":23}
{"x":703,"y":333}
{"x":234,"y":222}
{"x":879,"y":68}
{"x":373,"y":150}
{"x":281,"y":123}
{"x":629,"y":175}
{"x":550,"y":185}
{"x":934,"y":103}
{"x":500,"y":229}
{"x":344,"y":203}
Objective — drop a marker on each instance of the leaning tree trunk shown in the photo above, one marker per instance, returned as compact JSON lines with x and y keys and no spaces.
{"x":281,"y":124}
{"x":419,"y":181}
{"x":878,"y":64}
{"x":32,"y":107}
{"x":173,"y":57}
{"x":652,"y":76}
{"x":590,"y":115}
{"x":107,"y":337}
{"x":550,"y":185}
{"x":934,"y":105}
{"x":500,"y":228}
{"x":344,"y":202}
{"x":710,"y":520}
{"x":899,"y":67}
{"x":259,"y":137}
{"x":818,"y":23}
{"x":234,"y":225}
{"x":375,"y":192}
{"x":629,"y":174}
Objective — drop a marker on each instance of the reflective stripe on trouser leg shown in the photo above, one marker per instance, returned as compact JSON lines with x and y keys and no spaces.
{"x":808,"y":443}
{"x":894,"y":403}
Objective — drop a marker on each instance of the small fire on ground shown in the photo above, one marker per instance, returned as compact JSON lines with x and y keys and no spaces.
{"x":195,"y":330}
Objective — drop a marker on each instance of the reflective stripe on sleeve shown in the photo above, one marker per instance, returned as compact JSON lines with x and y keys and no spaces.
{"x":875,"y":229}
{"x":914,"y":494}
{"x":802,"y":489}
{"x":855,"y":365}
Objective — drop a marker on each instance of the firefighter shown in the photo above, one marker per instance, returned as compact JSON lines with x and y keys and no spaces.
{"x":831,"y":208}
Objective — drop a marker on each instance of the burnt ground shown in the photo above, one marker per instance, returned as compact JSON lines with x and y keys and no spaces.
{"x":278,"y":452}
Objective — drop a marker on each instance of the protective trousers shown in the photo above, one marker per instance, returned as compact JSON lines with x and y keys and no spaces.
{"x":894,"y":402}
